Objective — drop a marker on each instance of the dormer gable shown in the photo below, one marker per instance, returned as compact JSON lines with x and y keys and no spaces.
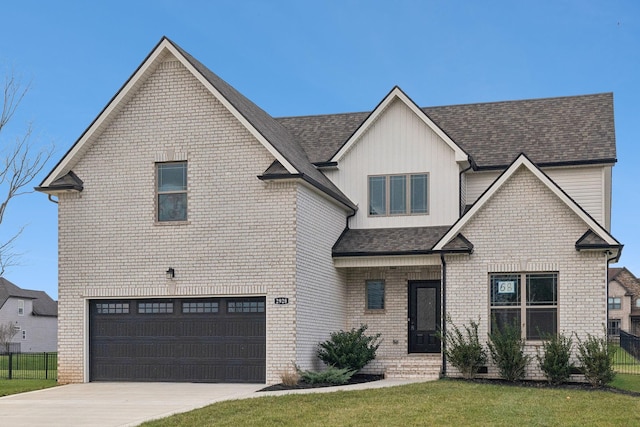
{"x":397,"y":94}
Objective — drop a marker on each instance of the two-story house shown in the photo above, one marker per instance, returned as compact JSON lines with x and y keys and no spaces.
{"x":201,"y":239}
{"x":623,"y":302}
{"x":34,"y":316}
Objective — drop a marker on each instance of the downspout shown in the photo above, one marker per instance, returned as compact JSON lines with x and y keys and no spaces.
{"x":460,"y":189}
{"x":444,"y":313}
{"x":51,"y":200}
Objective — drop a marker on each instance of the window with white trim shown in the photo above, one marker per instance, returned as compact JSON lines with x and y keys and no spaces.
{"x":398,"y":194}
{"x":20,"y":307}
{"x":527,"y":300}
{"x":171,"y":191}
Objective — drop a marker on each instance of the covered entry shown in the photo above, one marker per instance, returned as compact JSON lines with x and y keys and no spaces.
{"x":204,"y":339}
{"x":424,"y":316}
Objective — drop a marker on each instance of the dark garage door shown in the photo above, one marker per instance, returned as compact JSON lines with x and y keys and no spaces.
{"x":189,"y":340}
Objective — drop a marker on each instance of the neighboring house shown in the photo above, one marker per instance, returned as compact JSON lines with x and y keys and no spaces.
{"x":201,"y":239}
{"x":35,"y":316}
{"x":623,"y":302}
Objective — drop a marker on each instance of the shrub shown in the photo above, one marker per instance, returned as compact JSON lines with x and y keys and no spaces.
{"x":350,"y":350}
{"x":331,"y":375}
{"x":596,"y":357}
{"x":507,"y":351}
{"x":291,"y":376}
{"x":463,"y":349}
{"x":554,"y":361}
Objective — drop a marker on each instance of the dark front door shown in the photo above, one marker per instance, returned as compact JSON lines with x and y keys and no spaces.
{"x":424,"y":316}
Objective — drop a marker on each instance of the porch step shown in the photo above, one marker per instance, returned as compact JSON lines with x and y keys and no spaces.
{"x":414,"y":367}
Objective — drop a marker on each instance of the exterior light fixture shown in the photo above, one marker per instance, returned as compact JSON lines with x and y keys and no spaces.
{"x":171,"y":273}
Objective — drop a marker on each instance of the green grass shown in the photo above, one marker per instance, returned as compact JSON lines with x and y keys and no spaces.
{"x":442,"y":402}
{"x":629,"y":382}
{"x":623,"y":362}
{"x":8,"y":387}
{"x":29,"y":366}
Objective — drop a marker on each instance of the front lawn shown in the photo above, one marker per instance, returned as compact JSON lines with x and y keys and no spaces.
{"x":8,"y":387}
{"x":444,"y":402}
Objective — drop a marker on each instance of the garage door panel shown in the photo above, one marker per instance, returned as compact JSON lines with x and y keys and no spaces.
{"x":209,"y":340}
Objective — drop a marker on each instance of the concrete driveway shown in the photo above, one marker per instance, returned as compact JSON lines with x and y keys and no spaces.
{"x":129,"y":404}
{"x":113,"y":404}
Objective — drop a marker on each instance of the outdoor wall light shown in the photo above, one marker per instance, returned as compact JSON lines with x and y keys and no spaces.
{"x":171,"y":273}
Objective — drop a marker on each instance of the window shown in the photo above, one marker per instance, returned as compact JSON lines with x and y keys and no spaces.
{"x":200,"y":307}
{"x":112,"y":308}
{"x":375,"y":294}
{"x":638,"y":302}
{"x":529,"y":301}
{"x":615,"y":303}
{"x":398,"y":194}
{"x":245,"y":307}
{"x":20,"y":307}
{"x":172,"y":191}
{"x":613,"y":327}
{"x":155,"y":307}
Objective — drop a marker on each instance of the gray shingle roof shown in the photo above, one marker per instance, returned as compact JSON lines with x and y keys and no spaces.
{"x":388,"y":241}
{"x":43,"y":305}
{"x":575,"y":129}
{"x":272,"y":130}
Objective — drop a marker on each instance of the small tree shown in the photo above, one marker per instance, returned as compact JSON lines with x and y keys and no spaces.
{"x":596,"y":357}
{"x":350,"y":350}
{"x":7,"y":332}
{"x":463,"y":349}
{"x":555,"y":359}
{"x":507,"y":351}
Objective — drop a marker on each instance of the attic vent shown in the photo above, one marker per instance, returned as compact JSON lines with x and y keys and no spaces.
{"x":169,"y":64}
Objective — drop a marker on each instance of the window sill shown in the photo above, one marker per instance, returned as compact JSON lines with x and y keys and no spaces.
{"x":169,"y":223}
{"x":375,"y":311}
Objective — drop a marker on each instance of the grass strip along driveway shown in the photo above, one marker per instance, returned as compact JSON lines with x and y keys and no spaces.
{"x":8,"y":387}
{"x":444,"y":402}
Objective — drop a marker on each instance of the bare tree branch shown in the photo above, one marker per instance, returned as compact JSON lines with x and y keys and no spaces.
{"x":20,"y":163}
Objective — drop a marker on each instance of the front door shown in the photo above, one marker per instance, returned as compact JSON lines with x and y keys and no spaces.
{"x":424,"y":316}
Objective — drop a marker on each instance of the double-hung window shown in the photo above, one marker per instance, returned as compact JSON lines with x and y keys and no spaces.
{"x":526,"y":300}
{"x":398,"y":194}
{"x":171,"y":191}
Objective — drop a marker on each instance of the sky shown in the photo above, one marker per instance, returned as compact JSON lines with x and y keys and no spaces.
{"x":303,"y":58}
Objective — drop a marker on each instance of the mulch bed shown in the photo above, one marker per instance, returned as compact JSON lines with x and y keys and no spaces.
{"x":356,"y":379}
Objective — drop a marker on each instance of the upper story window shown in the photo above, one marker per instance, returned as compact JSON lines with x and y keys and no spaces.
{"x":398,"y":194}
{"x":615,"y":303}
{"x":171,"y":191}
{"x":528,"y":301}
{"x":20,"y":307}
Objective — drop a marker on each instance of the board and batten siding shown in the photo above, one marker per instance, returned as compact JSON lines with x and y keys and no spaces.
{"x":400,"y":142}
{"x":588,"y":186}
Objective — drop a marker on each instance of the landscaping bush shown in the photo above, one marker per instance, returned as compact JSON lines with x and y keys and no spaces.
{"x":332,"y":375}
{"x":555,"y":359}
{"x":507,"y":351}
{"x":350,"y":350}
{"x":463,"y":349}
{"x":596,"y":357}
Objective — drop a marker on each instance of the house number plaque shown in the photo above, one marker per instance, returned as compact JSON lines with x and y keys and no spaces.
{"x":507,"y":287}
{"x":281,"y":300}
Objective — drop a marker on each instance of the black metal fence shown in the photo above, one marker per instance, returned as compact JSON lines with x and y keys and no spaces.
{"x":626,"y":359}
{"x":29,"y":366}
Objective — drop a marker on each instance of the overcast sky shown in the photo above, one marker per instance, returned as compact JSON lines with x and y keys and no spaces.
{"x":301,"y":58}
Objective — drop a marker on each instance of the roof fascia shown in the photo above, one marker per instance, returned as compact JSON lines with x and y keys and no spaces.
{"x":165,"y":45}
{"x":397,"y":93}
{"x":523,"y":160}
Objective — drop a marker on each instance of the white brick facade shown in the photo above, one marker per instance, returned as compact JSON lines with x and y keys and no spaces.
{"x":526,"y":228}
{"x":111,"y":246}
